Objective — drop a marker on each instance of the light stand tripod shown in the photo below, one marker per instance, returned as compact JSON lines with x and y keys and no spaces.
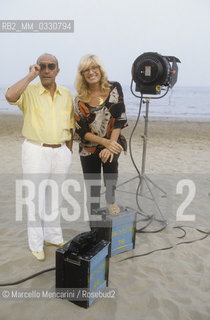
{"x":151,"y":73}
{"x":145,"y":181}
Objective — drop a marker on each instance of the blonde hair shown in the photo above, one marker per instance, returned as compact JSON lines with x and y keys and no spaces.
{"x":81,"y":85}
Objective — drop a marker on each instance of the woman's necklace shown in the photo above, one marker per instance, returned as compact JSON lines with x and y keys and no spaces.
{"x":101,"y":101}
{"x":97,"y":97}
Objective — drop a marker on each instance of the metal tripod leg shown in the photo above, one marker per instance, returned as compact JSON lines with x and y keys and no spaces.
{"x":156,"y":186}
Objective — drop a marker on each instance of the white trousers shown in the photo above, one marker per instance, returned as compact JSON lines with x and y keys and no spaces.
{"x":45,"y":168}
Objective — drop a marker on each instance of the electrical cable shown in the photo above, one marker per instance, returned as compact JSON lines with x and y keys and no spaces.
{"x":146,"y":254}
{"x":181,"y":228}
{"x":131,"y":136}
{"x":25,"y":279}
{"x":192,"y":241}
{"x":177,"y":244}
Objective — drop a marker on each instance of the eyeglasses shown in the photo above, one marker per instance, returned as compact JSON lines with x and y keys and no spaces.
{"x":93,"y":68}
{"x":50,"y":66}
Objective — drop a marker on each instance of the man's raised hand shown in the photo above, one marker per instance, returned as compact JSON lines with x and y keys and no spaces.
{"x":34,"y":70}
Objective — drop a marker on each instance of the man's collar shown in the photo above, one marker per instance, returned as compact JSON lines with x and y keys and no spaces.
{"x":42,"y":89}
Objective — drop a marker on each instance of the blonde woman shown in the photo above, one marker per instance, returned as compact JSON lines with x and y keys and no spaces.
{"x":100,"y":116}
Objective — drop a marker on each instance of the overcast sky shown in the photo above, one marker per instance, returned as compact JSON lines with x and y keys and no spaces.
{"x":118,"y":31}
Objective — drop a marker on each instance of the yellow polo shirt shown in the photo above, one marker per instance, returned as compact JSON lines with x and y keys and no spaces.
{"x":46,"y":120}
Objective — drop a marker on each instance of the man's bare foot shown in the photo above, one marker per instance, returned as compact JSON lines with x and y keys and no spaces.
{"x":113,"y":209}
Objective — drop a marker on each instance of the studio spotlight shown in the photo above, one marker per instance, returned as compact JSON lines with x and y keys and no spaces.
{"x":152,"y":72}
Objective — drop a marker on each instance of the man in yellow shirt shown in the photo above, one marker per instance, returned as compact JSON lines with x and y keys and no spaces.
{"x":46,"y":152}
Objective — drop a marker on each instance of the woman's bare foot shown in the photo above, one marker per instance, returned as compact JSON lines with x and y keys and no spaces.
{"x":113,"y":209}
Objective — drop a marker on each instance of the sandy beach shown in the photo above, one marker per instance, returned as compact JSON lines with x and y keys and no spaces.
{"x":164,"y":285}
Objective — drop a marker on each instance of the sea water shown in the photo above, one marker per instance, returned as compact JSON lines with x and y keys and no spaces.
{"x":179,"y":102}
